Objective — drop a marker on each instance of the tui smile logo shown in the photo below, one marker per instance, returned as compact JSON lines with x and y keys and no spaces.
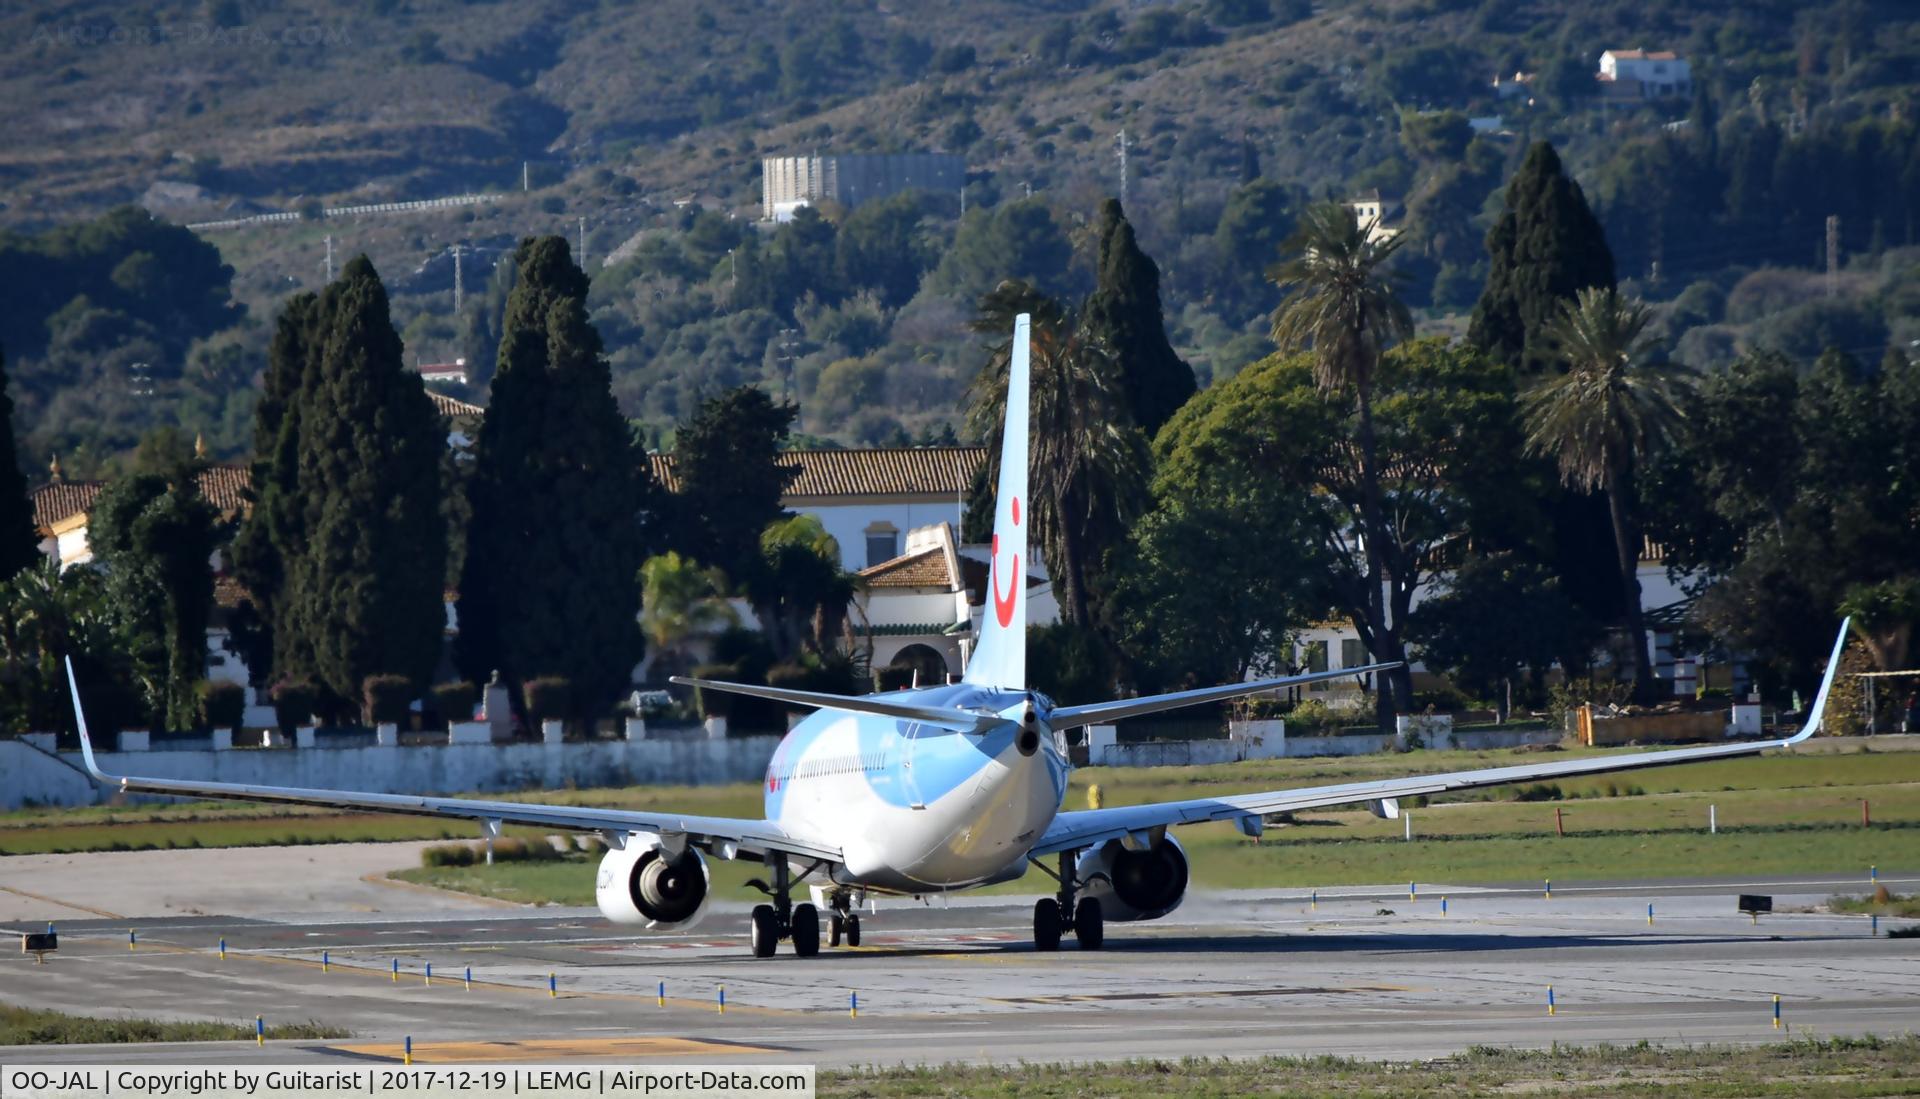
{"x":1003,"y":603}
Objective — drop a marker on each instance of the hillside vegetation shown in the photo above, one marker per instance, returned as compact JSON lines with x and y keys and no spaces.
{"x":639,"y":130}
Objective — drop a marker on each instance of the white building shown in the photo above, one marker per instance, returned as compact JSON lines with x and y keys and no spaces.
{"x":1379,"y":214}
{"x":869,"y":499}
{"x":1644,"y":74}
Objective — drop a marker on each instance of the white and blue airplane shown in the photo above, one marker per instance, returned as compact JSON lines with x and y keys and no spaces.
{"x":937,"y":789}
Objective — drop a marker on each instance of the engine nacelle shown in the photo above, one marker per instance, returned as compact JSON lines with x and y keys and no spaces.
{"x":1134,"y":885}
{"x":639,"y":884}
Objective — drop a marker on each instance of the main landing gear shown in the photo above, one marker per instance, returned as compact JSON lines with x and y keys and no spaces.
{"x":1054,"y":916}
{"x":800,"y":923}
{"x":784,"y":920}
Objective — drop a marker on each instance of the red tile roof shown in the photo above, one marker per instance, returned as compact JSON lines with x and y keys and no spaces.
{"x":224,"y":487}
{"x":887,"y":471}
{"x":925,"y":568}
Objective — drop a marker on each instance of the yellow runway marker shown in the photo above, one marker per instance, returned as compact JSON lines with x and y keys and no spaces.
{"x":548,"y":1049}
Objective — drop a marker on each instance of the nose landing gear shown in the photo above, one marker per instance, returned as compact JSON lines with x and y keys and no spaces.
{"x":1054,"y":916}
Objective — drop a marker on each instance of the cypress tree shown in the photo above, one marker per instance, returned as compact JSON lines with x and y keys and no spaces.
{"x":364,"y":594}
{"x":1124,"y":312}
{"x":18,"y":546}
{"x":1546,"y":246}
{"x":560,"y":497}
{"x":273,"y":529}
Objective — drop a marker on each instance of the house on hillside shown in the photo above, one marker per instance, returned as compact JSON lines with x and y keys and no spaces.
{"x":1381,"y":214}
{"x":1640,"y":75}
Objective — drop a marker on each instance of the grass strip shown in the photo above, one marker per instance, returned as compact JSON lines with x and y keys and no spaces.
{"x":24,"y":1026}
{"x":1816,"y":1068}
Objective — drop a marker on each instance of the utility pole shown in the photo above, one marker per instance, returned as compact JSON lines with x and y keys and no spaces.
{"x":525,"y":178}
{"x":1122,"y":154}
{"x":583,"y":243}
{"x":1832,"y":254}
{"x":457,"y":286}
{"x":329,"y":239}
{"x":786,"y":358}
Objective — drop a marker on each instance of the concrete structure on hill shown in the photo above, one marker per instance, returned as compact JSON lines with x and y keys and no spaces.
{"x":790,"y":182}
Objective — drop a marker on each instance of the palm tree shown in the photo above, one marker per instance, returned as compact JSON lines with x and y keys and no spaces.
{"x":679,"y":599}
{"x":1344,"y":305}
{"x":1087,"y":462}
{"x":1613,"y":409}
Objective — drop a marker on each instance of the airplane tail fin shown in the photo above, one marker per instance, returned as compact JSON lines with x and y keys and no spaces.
{"x":1001,"y":659}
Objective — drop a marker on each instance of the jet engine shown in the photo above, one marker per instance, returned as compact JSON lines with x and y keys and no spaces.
{"x":641,"y":884}
{"x":1143,"y":884}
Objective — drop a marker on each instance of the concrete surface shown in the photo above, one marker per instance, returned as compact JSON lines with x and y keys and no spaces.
{"x":1364,"y":973}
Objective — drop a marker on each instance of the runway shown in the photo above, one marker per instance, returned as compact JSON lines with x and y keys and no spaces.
{"x":1364,"y":972}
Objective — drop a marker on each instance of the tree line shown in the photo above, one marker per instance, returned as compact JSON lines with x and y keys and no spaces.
{"x":1479,"y":503}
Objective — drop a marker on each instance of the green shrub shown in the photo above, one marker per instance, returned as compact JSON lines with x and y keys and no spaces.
{"x":549,"y":698}
{"x":293,"y":702}
{"x":449,"y":854}
{"x":894,"y":677}
{"x":387,"y":698}
{"x":455,"y":701}
{"x":222,"y":705}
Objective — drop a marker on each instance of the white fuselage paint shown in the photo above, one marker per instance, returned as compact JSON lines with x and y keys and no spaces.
{"x":917,"y":809}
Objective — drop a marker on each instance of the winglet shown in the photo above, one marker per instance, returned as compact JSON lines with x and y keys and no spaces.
{"x":80,"y":720}
{"x":1819,"y":710}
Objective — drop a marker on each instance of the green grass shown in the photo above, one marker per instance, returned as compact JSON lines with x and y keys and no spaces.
{"x":1817,"y":1068}
{"x":21,"y":1026}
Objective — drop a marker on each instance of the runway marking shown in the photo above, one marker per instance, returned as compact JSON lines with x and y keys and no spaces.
{"x":61,"y":903}
{"x":1095,"y":997}
{"x":548,"y":1049}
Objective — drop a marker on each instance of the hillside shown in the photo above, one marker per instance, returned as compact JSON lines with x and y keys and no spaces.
{"x":613,"y":114}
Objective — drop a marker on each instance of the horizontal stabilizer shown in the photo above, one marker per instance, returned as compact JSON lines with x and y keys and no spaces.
{"x":1099,"y":713}
{"x":964,"y":720}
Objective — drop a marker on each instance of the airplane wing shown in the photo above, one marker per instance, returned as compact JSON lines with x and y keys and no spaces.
{"x":963,"y":720}
{"x":725,"y":837}
{"x":1086,"y":828}
{"x":1072,"y":717}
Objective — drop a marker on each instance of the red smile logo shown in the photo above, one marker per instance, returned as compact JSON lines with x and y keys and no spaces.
{"x":1003,"y":603}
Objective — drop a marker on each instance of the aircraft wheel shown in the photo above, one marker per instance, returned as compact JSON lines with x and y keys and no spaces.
{"x":1088,"y":925}
{"x":836,"y":926}
{"x":853,"y":930}
{"x":1046,"y":924}
{"x":766,"y":930}
{"x":806,"y":930}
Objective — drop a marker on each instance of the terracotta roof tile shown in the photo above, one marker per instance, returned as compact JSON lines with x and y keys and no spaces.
{"x":890,"y":471}
{"x":925,"y":568}
{"x":453,"y":409}
{"x":224,"y":487}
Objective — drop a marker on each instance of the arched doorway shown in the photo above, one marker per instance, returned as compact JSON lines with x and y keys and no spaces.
{"x":923,"y":659}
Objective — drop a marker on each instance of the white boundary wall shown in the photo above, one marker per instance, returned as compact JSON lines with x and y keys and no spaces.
{"x":29,"y":776}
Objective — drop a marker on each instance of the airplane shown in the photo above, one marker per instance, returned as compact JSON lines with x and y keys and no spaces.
{"x":939,"y":789}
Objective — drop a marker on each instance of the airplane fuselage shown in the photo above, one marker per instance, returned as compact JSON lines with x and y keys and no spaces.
{"x":918,"y":808}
